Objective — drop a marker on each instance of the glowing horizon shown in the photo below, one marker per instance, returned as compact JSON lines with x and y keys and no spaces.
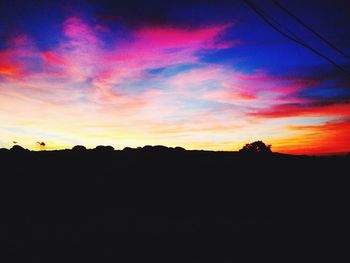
{"x":105,"y":83}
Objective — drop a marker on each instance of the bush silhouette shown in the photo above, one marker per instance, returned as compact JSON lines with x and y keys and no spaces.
{"x":79,"y":148}
{"x":17,"y":148}
{"x":104,"y":149}
{"x":257,"y":147}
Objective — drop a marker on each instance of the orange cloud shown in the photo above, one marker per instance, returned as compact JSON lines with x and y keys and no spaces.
{"x":328,"y":138}
{"x":290,"y":110}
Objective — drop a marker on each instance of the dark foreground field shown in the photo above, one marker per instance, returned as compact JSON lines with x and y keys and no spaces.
{"x":159,"y":205}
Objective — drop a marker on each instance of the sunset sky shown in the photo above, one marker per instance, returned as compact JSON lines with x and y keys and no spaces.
{"x":198,"y":74}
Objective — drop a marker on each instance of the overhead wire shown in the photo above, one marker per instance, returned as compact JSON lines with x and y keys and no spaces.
{"x":319,"y":36}
{"x":297,"y":40}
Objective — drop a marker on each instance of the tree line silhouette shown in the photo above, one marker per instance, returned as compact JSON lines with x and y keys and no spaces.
{"x":256,"y":147}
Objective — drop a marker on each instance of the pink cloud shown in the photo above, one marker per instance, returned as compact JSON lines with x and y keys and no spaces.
{"x":76,"y":29}
{"x":9,"y":68}
{"x":227,"y":96}
{"x":82,"y":55}
{"x":169,"y":38}
{"x":53,"y":58}
{"x":13,"y":60}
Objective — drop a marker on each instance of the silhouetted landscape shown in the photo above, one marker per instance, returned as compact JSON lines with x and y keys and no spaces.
{"x":169,"y":205}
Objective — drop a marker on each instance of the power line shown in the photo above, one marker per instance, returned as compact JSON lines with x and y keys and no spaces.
{"x":263,"y":16}
{"x":280,"y":25}
{"x":310,"y":29}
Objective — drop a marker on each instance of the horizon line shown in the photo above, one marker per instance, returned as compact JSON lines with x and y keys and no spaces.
{"x":168,"y":147}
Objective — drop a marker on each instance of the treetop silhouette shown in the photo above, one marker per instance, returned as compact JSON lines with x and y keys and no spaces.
{"x":257,"y":147}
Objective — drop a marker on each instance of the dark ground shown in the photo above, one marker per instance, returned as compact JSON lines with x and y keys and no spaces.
{"x":157,"y":205}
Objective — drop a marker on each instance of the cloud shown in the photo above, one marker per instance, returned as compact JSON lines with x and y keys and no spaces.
{"x":302,"y":109}
{"x":166,"y":37}
{"x":327,"y":138}
{"x":149,"y":85}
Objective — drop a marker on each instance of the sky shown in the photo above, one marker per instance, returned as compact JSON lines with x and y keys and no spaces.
{"x":208,"y":75}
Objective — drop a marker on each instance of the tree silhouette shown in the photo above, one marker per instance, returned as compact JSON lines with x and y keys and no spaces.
{"x":257,"y":147}
{"x":17,"y":148}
